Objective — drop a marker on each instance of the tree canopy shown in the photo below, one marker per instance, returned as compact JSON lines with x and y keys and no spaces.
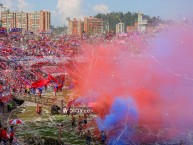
{"x":128,"y":18}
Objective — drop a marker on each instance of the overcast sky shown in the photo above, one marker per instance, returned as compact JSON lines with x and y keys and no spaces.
{"x":60,"y":9}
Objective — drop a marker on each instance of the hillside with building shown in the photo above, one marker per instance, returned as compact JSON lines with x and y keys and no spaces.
{"x":112,"y":22}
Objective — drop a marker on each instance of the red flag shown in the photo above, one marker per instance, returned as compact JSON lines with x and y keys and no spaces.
{"x":40,"y":83}
{"x":51,"y":78}
{"x":62,"y":78}
{"x":60,"y":86}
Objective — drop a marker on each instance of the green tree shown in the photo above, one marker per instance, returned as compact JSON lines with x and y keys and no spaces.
{"x":128,"y":18}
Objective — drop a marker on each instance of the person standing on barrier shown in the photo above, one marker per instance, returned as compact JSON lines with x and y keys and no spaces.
{"x":1,"y":136}
{"x":73,"y":120}
{"x":11,"y":106}
{"x":85,"y":120}
{"x":4,"y":136}
{"x":88,"y":137}
{"x":38,"y":109}
{"x":55,"y":90}
{"x":80,"y":119}
{"x":103,"y":137}
{"x":12,"y":133}
{"x":80,"y":128}
{"x":60,"y":131}
{"x":2,"y":107}
{"x":40,"y":93}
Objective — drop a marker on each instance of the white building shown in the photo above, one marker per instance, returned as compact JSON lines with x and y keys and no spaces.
{"x":142,"y":24}
{"x":120,"y":28}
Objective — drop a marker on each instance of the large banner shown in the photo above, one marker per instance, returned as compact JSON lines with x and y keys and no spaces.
{"x":15,"y":30}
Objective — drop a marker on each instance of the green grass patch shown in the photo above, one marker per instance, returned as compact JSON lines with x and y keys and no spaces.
{"x":46,"y":126}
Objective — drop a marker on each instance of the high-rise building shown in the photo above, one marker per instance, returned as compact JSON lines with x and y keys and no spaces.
{"x":75,"y":27}
{"x":45,"y":20}
{"x":70,"y":27}
{"x":142,"y":24}
{"x":21,"y":20}
{"x":35,"y":21}
{"x":120,"y":28}
{"x":93,"y":26}
{"x":39,"y":21}
{"x":8,"y":20}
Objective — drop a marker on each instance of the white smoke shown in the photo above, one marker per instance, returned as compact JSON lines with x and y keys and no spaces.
{"x":69,"y":8}
{"x":101,"y":8}
{"x":17,"y":5}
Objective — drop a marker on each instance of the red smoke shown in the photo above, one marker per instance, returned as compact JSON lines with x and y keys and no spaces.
{"x":158,"y":79}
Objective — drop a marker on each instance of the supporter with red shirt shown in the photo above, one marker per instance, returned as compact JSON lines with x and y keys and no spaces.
{"x":12,"y":133}
{"x":4,"y":135}
{"x":1,"y":133}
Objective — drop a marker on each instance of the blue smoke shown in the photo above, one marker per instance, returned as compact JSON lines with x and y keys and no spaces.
{"x":119,"y":122}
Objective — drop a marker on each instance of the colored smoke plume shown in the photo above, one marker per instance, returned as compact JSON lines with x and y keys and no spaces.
{"x":123,"y":115}
{"x":173,"y":52}
{"x":158,"y":78}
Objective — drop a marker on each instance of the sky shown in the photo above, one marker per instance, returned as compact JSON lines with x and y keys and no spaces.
{"x":60,"y":9}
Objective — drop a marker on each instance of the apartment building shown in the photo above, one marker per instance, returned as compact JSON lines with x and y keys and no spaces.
{"x":35,"y":21}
